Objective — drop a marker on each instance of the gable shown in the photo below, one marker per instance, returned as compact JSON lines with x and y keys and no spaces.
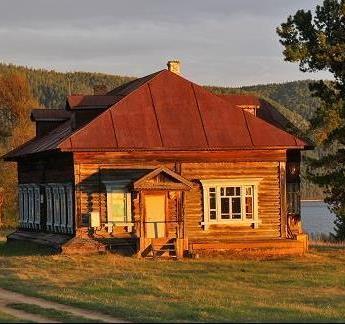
{"x":162,"y":179}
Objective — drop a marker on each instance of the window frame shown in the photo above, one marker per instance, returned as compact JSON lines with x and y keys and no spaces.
{"x":238,"y":182}
{"x":119,"y":186}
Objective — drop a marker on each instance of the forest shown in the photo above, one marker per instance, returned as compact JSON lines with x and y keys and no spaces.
{"x":49,"y":90}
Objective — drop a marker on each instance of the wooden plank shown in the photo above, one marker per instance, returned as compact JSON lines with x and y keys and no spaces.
{"x":298,"y":246}
{"x":283,"y":204}
{"x":268,"y":199}
{"x":144,"y":157}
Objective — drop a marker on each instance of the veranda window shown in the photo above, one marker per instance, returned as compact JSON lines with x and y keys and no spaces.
{"x":230,"y":202}
{"x":118,"y":203}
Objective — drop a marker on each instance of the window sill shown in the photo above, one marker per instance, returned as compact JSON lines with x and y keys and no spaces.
{"x":110,"y":225}
{"x":234,"y":223}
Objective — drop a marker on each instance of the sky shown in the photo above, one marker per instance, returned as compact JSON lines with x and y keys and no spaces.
{"x":219,"y":42}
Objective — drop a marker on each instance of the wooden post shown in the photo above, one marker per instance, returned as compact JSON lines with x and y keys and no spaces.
{"x":283,"y":206}
{"x":2,"y":200}
{"x":142,"y":238}
{"x":77,"y":197}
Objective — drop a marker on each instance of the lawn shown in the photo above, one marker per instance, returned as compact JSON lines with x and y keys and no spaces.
{"x":5,"y":318}
{"x":308,"y":289}
{"x":52,"y":314}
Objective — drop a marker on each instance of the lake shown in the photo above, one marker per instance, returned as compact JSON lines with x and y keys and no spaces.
{"x":316,"y":218}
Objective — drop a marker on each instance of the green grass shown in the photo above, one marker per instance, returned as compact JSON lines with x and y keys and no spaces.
{"x":61,"y":316}
{"x":221,"y":289}
{"x":6,"y":318}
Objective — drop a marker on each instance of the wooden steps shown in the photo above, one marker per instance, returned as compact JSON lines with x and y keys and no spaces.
{"x":163,"y":248}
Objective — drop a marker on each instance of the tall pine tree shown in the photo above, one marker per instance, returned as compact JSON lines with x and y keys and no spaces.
{"x":317,"y":42}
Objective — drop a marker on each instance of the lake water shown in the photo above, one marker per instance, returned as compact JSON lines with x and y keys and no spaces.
{"x":316,"y":218}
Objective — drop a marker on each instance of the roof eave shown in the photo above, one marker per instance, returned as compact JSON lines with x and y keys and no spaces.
{"x":8,"y":158}
{"x":218,"y":149}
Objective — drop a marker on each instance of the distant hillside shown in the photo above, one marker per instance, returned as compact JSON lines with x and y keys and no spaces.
{"x":292,"y":99}
{"x":51,"y":88}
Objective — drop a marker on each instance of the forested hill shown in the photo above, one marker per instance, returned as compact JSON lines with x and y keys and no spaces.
{"x":51,"y":87}
{"x":292,"y":99}
{"x":294,"y":95}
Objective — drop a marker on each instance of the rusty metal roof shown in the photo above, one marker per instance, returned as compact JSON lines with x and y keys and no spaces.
{"x":91,"y":101}
{"x":169,"y":112}
{"x":164,"y":111}
{"x":241,"y":100}
{"x":266,"y":112}
{"x":48,"y":142}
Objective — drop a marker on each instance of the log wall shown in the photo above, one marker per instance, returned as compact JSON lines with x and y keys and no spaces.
{"x":268,"y":200}
{"x":46,"y":169}
{"x":91,"y":194}
{"x":91,"y":191}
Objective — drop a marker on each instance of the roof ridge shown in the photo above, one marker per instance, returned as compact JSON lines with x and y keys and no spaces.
{"x":124,"y":85}
{"x":245,"y":120}
{"x":112,"y":106}
{"x":200,"y":115}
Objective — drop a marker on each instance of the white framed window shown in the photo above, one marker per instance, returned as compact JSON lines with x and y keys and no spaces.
{"x":230,"y":201}
{"x":119,"y":211}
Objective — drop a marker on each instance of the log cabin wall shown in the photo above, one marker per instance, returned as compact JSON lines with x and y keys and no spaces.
{"x":46,"y":169}
{"x":268,"y":200}
{"x":45,"y":193}
{"x":90,"y":172}
{"x":91,"y":195}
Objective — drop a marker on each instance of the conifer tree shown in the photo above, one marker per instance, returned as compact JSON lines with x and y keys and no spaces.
{"x":316,"y":40}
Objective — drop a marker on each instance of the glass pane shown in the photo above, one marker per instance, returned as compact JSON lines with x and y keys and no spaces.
{"x":236,"y":216}
{"x":222,"y":191}
{"x":213,"y":214}
{"x":213,"y":202}
{"x":230,"y":191}
{"x":212,"y":190}
{"x":236,"y":205}
{"x":225,"y":208}
{"x":248,"y":191}
{"x":118,"y":207}
{"x":238,"y":191}
{"x":225,"y":205}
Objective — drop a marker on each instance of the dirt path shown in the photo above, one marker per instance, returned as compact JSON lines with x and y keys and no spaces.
{"x":21,"y":315}
{"x":8,"y":297}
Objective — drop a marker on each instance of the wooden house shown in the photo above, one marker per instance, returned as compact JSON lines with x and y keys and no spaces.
{"x":165,"y":166}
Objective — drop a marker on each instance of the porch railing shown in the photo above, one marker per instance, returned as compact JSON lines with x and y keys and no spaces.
{"x":171,"y":226}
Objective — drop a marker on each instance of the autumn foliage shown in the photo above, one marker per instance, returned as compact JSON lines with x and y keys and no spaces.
{"x":16,"y":102}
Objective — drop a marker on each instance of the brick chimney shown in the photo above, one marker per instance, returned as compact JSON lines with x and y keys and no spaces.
{"x":174,"y":66}
{"x":100,"y":89}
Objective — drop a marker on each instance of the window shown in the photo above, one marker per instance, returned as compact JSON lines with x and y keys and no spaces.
{"x":230,"y":202}
{"x":118,"y":203}
{"x":29,"y":206}
{"x":59,"y":207}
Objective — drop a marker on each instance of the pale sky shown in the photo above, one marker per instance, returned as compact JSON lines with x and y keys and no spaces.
{"x":220,"y":42}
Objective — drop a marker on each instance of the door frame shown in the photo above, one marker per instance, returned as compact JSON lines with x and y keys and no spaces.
{"x":156,"y":193}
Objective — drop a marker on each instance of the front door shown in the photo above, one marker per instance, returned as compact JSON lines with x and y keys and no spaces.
{"x":155,"y":215}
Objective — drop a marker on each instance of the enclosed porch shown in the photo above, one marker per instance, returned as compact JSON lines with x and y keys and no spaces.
{"x":144,"y":212}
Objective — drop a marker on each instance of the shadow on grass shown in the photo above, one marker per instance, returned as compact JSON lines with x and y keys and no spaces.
{"x":22,"y":248}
